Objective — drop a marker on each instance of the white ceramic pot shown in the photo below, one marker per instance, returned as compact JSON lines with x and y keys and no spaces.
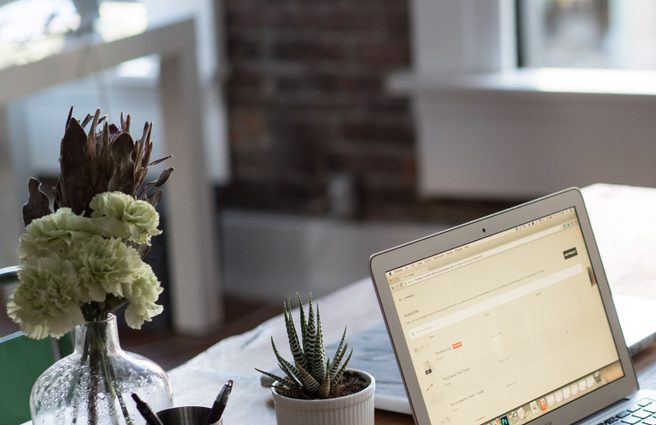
{"x":354,"y":409}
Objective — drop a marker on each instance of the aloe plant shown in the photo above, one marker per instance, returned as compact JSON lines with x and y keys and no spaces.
{"x":311,"y":375}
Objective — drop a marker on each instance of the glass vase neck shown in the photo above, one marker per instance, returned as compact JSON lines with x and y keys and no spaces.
{"x":91,"y":334}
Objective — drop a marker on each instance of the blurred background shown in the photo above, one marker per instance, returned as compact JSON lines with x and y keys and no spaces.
{"x":343,"y":127}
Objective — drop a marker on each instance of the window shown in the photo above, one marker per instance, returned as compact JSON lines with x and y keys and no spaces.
{"x":587,"y":33}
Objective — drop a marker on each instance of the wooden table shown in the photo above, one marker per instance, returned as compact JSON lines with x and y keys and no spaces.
{"x":198,"y":381}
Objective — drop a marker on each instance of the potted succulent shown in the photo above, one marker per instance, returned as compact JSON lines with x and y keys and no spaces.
{"x":315,"y":389}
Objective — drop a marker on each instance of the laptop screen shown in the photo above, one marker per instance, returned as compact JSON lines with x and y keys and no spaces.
{"x":507,"y":328}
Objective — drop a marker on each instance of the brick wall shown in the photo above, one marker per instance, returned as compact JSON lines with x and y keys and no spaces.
{"x":306,"y":103}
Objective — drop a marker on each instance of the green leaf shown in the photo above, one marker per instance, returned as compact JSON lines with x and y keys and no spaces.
{"x":337,"y":361}
{"x":319,"y":355}
{"x":339,"y":374}
{"x":286,"y":367}
{"x":283,"y":380}
{"x":292,"y":392}
{"x":310,"y":339}
{"x":294,"y":345}
{"x":339,"y":354}
{"x":309,"y":383}
{"x":324,"y":391}
{"x":302,"y":317}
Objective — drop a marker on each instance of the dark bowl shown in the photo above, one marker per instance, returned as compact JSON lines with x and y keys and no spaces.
{"x":185,"y":415}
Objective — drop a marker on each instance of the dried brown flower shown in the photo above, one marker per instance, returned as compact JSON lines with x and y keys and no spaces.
{"x":97,"y":161}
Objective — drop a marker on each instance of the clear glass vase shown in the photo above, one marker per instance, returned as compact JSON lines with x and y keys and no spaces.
{"x":94,"y":384}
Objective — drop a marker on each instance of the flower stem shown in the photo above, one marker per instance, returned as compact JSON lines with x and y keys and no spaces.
{"x":101,"y":373}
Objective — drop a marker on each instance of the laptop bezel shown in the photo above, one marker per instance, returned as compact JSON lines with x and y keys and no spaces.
{"x":430,"y":245}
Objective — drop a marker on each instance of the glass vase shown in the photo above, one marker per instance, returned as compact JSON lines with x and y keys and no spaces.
{"x":94,"y":384}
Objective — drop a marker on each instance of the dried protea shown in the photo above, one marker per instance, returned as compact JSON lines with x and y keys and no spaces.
{"x":95,"y":161}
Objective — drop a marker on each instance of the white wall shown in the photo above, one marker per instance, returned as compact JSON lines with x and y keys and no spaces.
{"x":509,"y":139}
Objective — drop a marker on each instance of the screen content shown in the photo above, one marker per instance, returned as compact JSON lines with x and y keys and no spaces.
{"x":506,"y":328}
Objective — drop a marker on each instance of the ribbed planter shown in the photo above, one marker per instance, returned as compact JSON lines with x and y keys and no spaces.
{"x":354,"y":409}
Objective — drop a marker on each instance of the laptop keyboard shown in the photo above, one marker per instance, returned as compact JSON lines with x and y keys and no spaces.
{"x":643,"y":413}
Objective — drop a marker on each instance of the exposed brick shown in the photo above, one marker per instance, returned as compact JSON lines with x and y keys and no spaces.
{"x":387,"y":166}
{"x":306,"y":99}
{"x":308,"y":50}
{"x":330,"y":83}
{"x":378,"y":132}
{"x":243,"y":47}
{"x":276,"y":196}
{"x":247,"y":127}
{"x":386,"y":55}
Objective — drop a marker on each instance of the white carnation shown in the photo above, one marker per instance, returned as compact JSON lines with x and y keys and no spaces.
{"x":142,"y":293}
{"x":47,"y":301}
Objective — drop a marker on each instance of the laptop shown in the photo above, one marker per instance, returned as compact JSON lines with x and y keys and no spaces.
{"x":509,"y":319}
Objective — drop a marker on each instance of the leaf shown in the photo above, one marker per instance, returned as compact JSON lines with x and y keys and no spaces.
{"x":309,"y":382}
{"x":339,"y":354}
{"x":86,"y":120}
{"x":326,"y":386}
{"x":338,"y":375}
{"x":58,"y":197}
{"x":68,"y":119}
{"x":91,"y":136}
{"x":153,"y":199}
{"x":289,"y":369}
{"x":157,"y":161}
{"x":319,"y":359}
{"x":302,"y":317}
{"x":161,"y":179}
{"x":309,"y":340}
{"x":123,"y":172}
{"x":37,"y":205}
{"x":294,"y":345}
{"x":282,"y":380}
{"x":75,"y":190}
{"x":125,"y":123}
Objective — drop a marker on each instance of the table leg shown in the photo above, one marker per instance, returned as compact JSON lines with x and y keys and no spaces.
{"x":191,"y":234}
{"x":11,"y":161}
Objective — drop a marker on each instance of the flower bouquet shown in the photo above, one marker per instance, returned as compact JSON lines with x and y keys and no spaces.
{"x":82,"y":262}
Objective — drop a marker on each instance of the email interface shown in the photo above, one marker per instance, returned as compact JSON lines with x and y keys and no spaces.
{"x":506,"y":328}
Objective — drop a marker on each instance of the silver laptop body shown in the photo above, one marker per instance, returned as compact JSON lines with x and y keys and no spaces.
{"x":509,"y":320}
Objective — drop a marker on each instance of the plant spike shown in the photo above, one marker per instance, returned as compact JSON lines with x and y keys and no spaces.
{"x":337,"y":360}
{"x":280,"y":379}
{"x":310,"y":383}
{"x":338,"y":376}
{"x":326,"y":386}
{"x":319,"y":358}
{"x":291,"y":370}
{"x":341,"y":347}
{"x":294,"y":345}
{"x":313,"y":374}
{"x":310,"y":339}
{"x":302,"y":317}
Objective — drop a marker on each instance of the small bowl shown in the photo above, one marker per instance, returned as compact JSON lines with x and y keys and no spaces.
{"x":185,"y":415}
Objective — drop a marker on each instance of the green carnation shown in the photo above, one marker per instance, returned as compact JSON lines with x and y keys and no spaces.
{"x":103,"y":266}
{"x":47,"y":301}
{"x":142,"y":293}
{"x":53,"y":233}
{"x":122,"y":216}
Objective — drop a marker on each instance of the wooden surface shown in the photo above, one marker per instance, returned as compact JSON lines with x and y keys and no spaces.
{"x":197,"y":381}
